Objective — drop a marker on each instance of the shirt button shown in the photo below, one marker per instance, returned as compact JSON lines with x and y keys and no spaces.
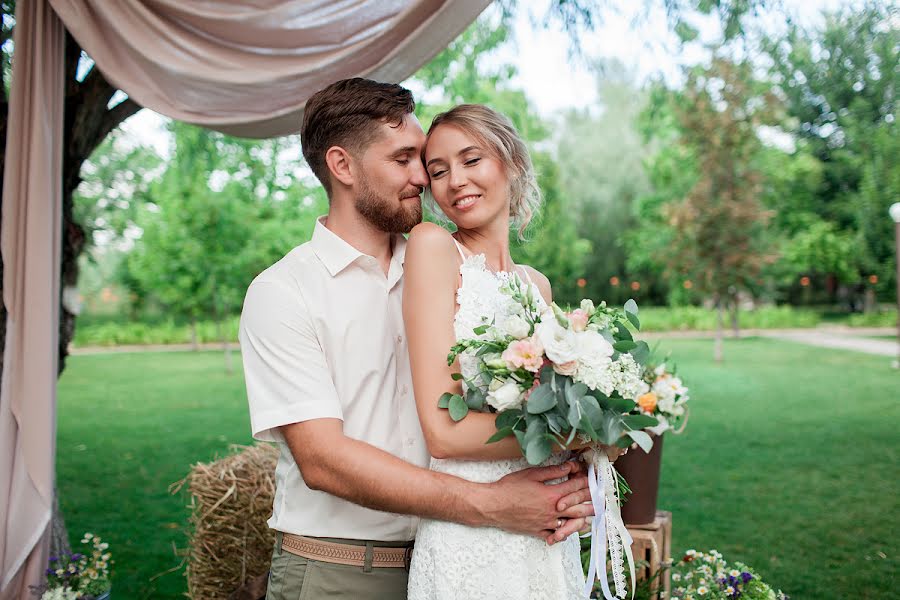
{"x":399,"y":339}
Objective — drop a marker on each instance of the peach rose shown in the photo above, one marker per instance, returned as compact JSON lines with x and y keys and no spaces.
{"x":568,"y":369}
{"x":647,"y":402}
{"x":578,"y":319}
{"x":527,"y":354}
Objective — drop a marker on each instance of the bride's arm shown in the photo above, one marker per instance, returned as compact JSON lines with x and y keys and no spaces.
{"x":430,"y":277}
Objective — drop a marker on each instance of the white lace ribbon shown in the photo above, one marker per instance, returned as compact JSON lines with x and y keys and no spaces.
{"x":607,"y":529}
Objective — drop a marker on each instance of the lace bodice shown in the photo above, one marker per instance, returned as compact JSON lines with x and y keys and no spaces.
{"x":455,"y":562}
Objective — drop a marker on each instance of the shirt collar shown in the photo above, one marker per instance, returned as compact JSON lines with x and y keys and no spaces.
{"x":336,"y":254}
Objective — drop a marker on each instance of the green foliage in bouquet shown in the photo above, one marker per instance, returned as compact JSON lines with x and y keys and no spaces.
{"x":553,"y":375}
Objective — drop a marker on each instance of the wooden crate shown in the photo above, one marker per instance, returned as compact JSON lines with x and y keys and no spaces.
{"x":652,"y":546}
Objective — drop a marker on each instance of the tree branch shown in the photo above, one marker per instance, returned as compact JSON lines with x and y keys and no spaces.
{"x":114,"y":118}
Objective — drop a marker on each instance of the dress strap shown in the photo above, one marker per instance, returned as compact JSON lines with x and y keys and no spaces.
{"x":459,"y":249}
{"x":527,"y":276}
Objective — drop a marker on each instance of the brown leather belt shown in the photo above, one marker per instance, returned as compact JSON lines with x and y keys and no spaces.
{"x":346,"y":554}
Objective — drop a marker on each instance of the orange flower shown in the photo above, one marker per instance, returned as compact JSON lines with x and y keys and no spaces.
{"x":647,"y":402}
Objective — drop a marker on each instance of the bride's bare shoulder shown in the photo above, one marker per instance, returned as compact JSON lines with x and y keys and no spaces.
{"x":432,"y":240}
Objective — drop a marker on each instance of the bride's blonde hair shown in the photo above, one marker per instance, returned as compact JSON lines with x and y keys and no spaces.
{"x":498,"y":136}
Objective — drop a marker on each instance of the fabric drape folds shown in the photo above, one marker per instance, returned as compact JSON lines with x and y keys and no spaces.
{"x":248,"y":68}
{"x":32,"y":192}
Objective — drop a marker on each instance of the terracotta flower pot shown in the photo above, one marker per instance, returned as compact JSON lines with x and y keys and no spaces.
{"x":641,"y":470}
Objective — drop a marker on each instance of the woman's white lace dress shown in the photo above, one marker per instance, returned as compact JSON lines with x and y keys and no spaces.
{"x":456,"y":562}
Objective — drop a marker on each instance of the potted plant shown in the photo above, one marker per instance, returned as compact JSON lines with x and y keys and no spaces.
{"x":79,"y":575}
{"x":664,"y":397}
{"x":707,"y":576}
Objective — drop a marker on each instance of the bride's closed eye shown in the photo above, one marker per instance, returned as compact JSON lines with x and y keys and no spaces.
{"x":472,"y":161}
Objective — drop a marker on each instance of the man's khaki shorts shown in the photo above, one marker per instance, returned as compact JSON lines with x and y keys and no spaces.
{"x":293,"y":577}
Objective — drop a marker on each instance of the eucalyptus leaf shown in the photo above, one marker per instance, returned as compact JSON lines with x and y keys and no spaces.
{"x":536,"y":428}
{"x":641,"y":354}
{"x":633,"y":319}
{"x":611,"y":428}
{"x":475,"y":398}
{"x":588,"y":428}
{"x":520,"y":436}
{"x":639,"y":421}
{"x":541,"y":399}
{"x":444,"y":400}
{"x":642,"y":439}
{"x":623,"y":332}
{"x":481,"y":329}
{"x":625,"y":345}
{"x":574,"y":415}
{"x":456,"y":376}
{"x":501,"y":434}
{"x":458,"y":408}
{"x":507,"y":418}
{"x":620,"y":405}
{"x":631,"y":307}
{"x":591,"y":410}
{"x":538,"y":450}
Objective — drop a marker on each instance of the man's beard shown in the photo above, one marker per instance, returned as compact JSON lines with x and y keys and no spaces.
{"x":378,"y":210}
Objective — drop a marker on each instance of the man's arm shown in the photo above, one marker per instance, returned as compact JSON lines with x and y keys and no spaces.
{"x":353,"y":470}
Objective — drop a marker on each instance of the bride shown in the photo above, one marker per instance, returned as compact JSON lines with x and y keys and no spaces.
{"x":482,"y":179}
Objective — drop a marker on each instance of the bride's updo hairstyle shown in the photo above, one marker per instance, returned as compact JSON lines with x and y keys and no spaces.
{"x":498,"y":137}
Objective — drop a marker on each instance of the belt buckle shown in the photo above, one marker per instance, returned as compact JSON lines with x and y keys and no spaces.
{"x":407,"y":558}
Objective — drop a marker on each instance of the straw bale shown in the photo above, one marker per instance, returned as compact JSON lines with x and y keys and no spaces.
{"x":231,"y":500}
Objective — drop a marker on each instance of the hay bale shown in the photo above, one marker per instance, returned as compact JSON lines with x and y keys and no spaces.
{"x":231,"y":500}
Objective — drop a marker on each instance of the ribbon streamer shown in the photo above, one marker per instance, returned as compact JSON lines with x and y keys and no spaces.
{"x":607,"y":529}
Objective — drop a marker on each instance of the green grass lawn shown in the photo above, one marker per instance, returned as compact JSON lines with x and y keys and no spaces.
{"x":789,"y":462}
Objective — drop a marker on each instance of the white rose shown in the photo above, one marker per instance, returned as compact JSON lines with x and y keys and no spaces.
{"x":506,"y":396}
{"x":560,"y":344}
{"x":516,"y":326}
{"x":593,"y":348}
{"x":661,"y":428}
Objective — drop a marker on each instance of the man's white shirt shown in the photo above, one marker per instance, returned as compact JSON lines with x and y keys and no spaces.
{"x":322,"y":337}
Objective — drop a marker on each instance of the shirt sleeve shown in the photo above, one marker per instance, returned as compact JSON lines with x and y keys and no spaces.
{"x":287,"y":376}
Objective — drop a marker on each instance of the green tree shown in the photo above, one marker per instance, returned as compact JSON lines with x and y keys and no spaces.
{"x":718,"y":229}
{"x":839,"y":85}
{"x":602,"y":174}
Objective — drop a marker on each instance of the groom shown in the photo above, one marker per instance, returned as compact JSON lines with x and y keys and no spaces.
{"x":328,"y":374}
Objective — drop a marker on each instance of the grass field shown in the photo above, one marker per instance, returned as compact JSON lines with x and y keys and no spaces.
{"x":789,"y":462}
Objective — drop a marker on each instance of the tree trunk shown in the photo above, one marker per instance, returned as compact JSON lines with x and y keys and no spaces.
{"x":226,"y":348}
{"x":733,"y":314}
{"x":195,"y":345}
{"x":869,"y":303}
{"x":720,"y":329}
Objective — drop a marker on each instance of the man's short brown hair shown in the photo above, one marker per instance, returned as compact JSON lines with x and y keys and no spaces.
{"x":348,"y":114}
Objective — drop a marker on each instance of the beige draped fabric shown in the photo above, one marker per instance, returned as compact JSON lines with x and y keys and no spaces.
{"x":243,"y":68}
{"x":32,"y":191}
{"x":248,"y":68}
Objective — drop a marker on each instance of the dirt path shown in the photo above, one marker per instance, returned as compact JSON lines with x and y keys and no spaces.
{"x":845,"y":338}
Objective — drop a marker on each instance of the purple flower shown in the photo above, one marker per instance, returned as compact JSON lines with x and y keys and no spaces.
{"x":77,"y":556}
{"x":50,"y":572}
{"x":746,"y":576}
{"x":53,"y":559}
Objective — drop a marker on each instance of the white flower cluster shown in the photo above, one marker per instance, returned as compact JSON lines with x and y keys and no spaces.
{"x":60,"y":593}
{"x":580,"y":351}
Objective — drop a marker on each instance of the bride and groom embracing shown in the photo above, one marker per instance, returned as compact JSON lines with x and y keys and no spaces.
{"x":345,"y":342}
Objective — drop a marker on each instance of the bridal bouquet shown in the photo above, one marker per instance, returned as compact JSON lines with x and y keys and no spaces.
{"x":554,"y":375}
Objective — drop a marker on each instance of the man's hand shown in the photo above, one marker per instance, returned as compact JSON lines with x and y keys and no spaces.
{"x":522,"y":502}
